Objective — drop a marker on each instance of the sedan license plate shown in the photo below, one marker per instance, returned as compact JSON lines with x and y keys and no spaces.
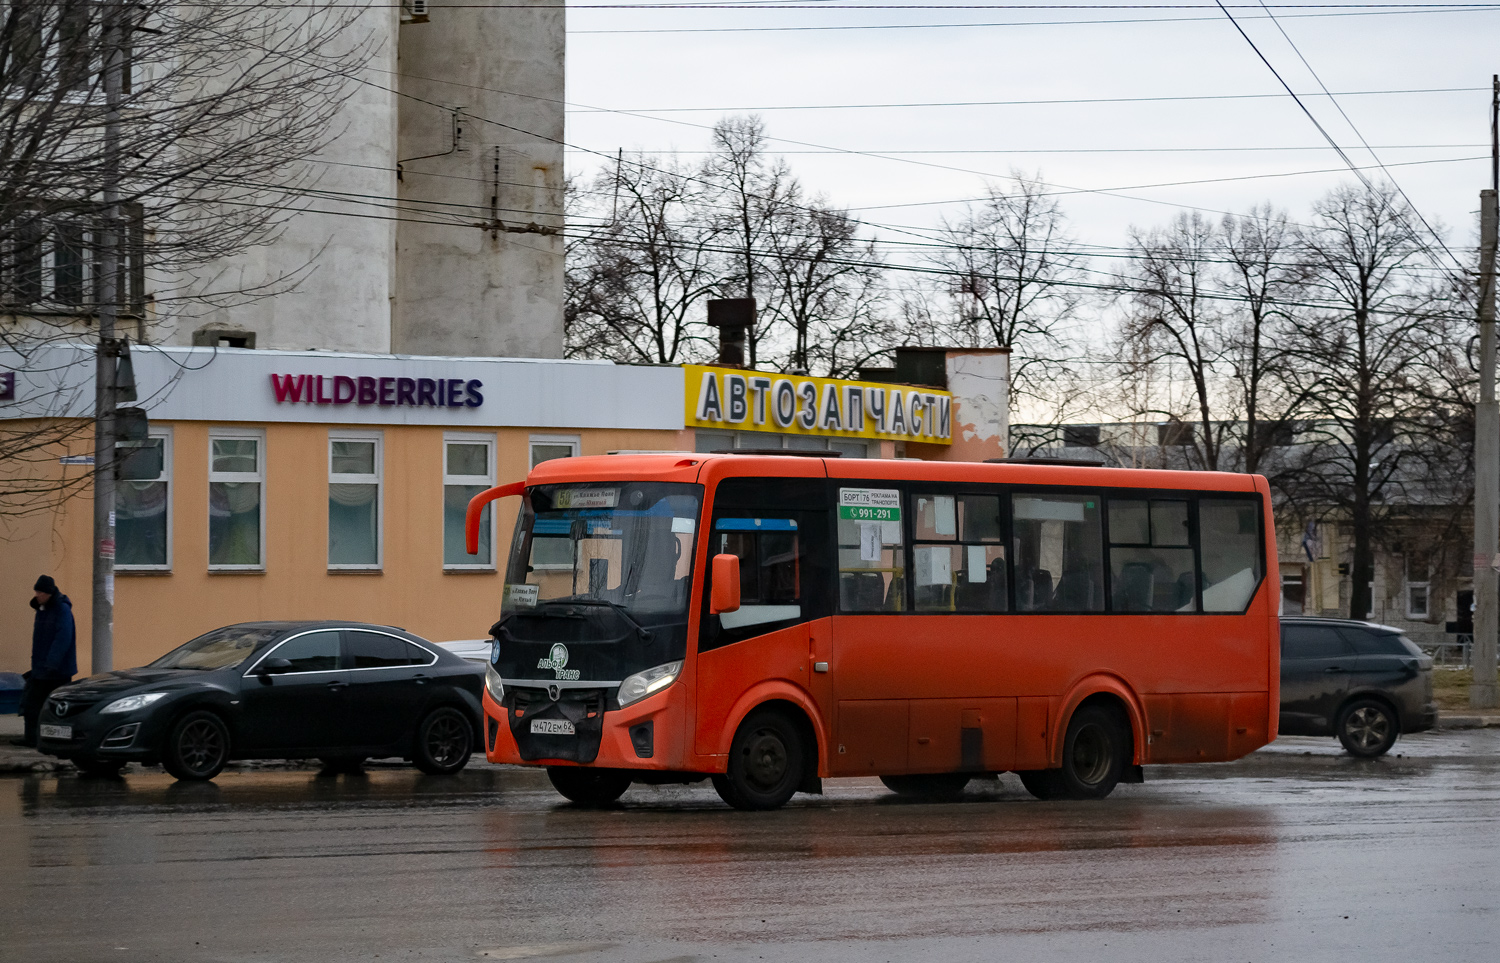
{"x":551,"y":727}
{"x":61,"y":732}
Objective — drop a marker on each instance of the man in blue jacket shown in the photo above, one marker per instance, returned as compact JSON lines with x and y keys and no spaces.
{"x":54,"y":652}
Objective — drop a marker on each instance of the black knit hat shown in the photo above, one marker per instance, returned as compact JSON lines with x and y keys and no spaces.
{"x":45,"y":584}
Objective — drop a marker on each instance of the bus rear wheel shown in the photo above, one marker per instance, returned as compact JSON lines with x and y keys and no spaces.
{"x":935,"y":785}
{"x":1096,"y":751}
{"x":589,"y":787}
{"x":766,"y":763}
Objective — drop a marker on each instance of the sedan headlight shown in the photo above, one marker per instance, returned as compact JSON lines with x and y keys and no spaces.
{"x":132,"y":703}
{"x":637,"y":687}
{"x":492,"y":684}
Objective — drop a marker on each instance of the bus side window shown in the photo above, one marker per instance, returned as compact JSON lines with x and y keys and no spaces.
{"x":769,"y":550}
{"x":1229,"y":531}
{"x":1150,"y":556}
{"x":1058,"y":553}
{"x":872,"y":566}
{"x":965,"y":571}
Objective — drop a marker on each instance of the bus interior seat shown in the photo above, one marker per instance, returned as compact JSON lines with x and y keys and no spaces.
{"x":862,"y":591}
{"x":1182,"y":592}
{"x":1034,"y":588}
{"x":1076,"y":592}
{"x":1133,"y":590}
{"x":986,"y":596}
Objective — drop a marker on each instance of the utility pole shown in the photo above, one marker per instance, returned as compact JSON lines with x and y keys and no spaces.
{"x":106,"y":354}
{"x":1482,"y":693}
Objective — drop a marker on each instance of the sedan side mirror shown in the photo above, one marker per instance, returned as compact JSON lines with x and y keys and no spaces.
{"x":271,"y":667}
{"x":725,"y":596}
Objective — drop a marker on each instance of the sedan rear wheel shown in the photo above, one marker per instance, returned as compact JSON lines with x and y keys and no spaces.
{"x":444,"y":742}
{"x":197,"y":746}
{"x":1368,"y":728}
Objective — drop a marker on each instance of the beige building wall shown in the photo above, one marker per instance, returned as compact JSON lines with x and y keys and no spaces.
{"x":156,"y":611}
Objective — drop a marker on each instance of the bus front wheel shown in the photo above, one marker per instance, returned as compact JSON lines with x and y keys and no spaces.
{"x":766,"y":763}
{"x":589,"y":787}
{"x":1096,"y":751}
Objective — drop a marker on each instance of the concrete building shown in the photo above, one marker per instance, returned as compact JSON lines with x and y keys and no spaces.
{"x":428,"y":224}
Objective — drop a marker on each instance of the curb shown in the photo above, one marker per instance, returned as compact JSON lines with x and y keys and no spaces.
{"x":1476,"y":721}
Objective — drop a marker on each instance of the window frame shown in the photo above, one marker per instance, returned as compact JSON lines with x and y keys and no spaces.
{"x":1426,"y":589}
{"x":377,"y":479}
{"x":346,"y":650}
{"x":1005,"y":522}
{"x":165,"y":434}
{"x":337,"y":630}
{"x":259,"y":476}
{"x":573,"y":441}
{"x":1007,"y":491}
{"x":488,"y":480}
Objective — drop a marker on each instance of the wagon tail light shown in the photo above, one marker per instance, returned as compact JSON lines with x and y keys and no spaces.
{"x":476,"y":509}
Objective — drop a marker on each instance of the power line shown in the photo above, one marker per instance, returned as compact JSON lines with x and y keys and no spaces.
{"x":582,"y":109}
{"x":803,"y":28}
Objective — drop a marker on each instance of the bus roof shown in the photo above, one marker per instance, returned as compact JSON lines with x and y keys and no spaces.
{"x":693,"y":467}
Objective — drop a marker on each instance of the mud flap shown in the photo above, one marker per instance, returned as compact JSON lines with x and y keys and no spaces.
{"x":812,"y":783}
{"x":1135,"y":774}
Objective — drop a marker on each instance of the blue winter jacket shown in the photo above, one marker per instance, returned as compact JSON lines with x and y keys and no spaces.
{"x":54,"y":640}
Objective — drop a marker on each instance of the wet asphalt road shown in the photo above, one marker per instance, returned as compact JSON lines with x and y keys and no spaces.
{"x":1296,"y":853}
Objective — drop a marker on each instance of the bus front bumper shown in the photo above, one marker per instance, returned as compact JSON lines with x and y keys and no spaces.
{"x":647,"y":735}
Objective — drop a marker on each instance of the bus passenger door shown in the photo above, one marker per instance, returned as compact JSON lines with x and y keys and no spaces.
{"x":778,"y":530}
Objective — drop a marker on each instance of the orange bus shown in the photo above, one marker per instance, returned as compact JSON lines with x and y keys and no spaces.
{"x":772,"y":620}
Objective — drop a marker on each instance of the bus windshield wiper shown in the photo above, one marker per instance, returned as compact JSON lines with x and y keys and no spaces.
{"x":640,"y":630}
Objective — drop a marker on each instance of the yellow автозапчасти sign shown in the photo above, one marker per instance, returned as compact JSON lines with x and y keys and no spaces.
{"x":733,"y":398}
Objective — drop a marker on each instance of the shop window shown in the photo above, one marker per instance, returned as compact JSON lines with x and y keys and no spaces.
{"x":1058,"y":554}
{"x":236,"y":498}
{"x":548,"y":447}
{"x":468,"y":469}
{"x":354,"y":470}
{"x":958,"y":560}
{"x":143,"y":513}
{"x":1150,"y":556}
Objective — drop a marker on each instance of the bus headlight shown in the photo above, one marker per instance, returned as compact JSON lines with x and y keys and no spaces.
{"x":637,"y":687}
{"x":492,"y":684}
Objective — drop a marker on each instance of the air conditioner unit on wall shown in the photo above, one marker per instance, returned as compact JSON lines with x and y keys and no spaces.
{"x":414,"y":11}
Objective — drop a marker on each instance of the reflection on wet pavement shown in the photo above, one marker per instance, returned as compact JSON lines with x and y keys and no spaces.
{"x":1297,"y":851}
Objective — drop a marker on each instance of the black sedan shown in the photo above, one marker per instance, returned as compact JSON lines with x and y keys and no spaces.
{"x":1364,"y":683}
{"x":337,"y":691}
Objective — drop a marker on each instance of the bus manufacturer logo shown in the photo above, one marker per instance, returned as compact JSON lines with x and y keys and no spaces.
{"x":557,"y":661}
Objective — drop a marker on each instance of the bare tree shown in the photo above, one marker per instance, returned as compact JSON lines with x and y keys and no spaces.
{"x":828,"y":291}
{"x":635,"y":282}
{"x":1359,"y":362}
{"x":1013,"y":271}
{"x":752,"y":191}
{"x":201,"y":151}
{"x":1175,"y":319}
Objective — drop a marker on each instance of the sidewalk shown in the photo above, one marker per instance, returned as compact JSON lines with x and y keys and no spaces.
{"x":14,"y":759}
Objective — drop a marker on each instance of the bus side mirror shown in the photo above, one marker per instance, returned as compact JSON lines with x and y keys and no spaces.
{"x":726,"y":591}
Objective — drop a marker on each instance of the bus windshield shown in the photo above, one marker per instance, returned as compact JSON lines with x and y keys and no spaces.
{"x":626,"y":545}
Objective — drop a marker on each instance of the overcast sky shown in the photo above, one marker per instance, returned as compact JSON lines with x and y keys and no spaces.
{"x":675,"y":84}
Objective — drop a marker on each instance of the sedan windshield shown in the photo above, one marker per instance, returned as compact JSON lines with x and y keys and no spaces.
{"x":627,"y":546}
{"x":219,"y":649}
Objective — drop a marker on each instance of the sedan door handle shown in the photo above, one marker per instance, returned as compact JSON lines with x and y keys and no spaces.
{"x":1333,"y":668}
{"x":419,"y":679}
{"x":337,"y":685}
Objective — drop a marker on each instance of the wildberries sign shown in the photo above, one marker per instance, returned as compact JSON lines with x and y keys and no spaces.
{"x":381,"y":392}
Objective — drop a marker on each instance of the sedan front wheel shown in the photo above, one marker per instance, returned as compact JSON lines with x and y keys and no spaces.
{"x":197,"y":746}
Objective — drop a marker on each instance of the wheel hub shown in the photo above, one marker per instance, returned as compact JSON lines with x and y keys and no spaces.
{"x":767,"y":760}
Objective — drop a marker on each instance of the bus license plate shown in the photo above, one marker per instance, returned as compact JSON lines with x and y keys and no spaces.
{"x":551,"y":727}
{"x":56,"y":732}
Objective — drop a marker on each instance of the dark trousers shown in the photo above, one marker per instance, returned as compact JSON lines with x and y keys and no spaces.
{"x":32,"y":698}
